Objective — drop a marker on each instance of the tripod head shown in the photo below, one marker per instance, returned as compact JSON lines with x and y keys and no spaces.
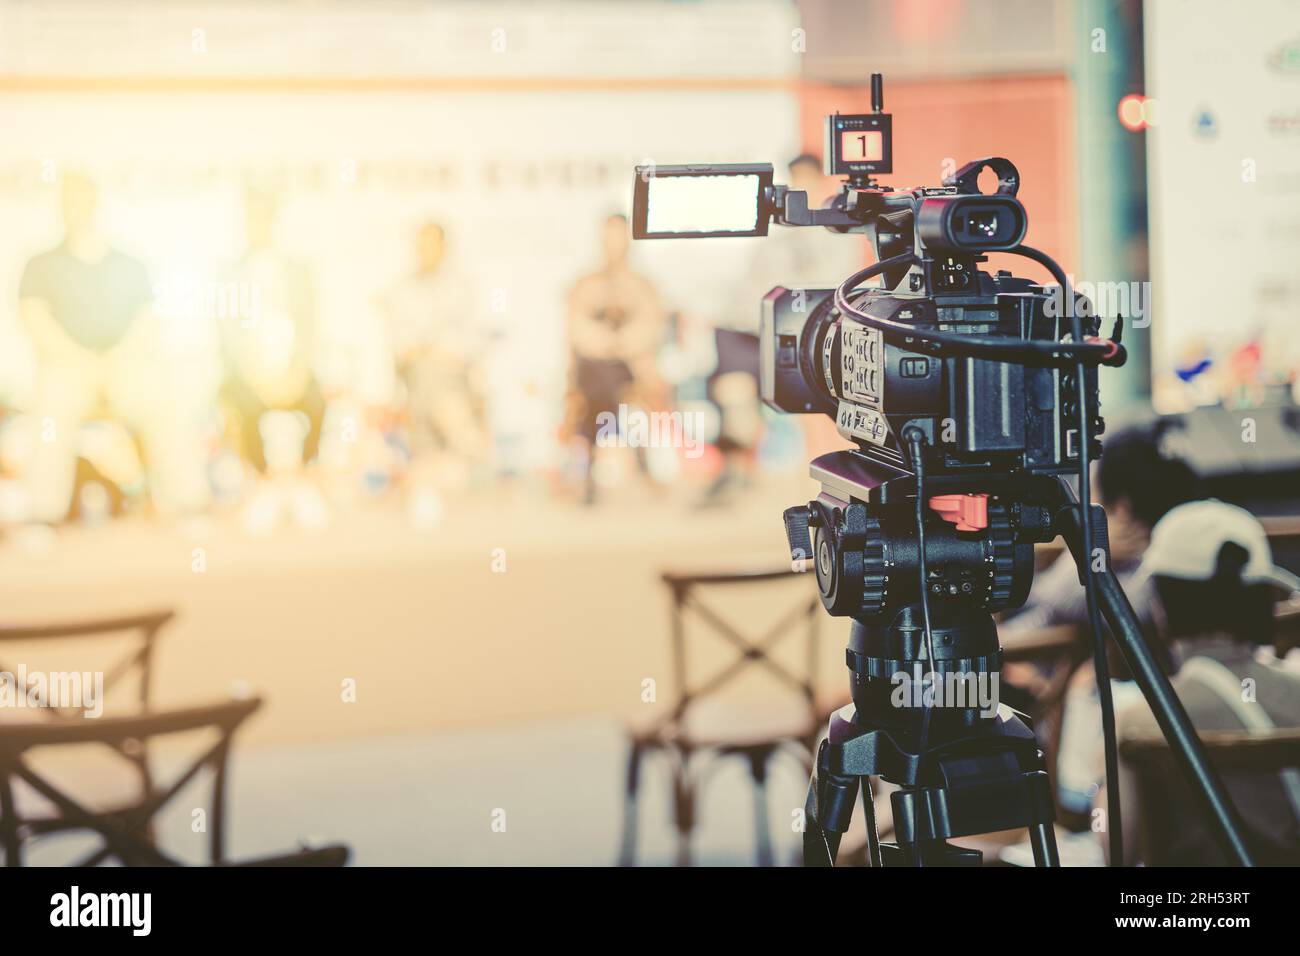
{"x":977,"y":550}
{"x":861,"y":534}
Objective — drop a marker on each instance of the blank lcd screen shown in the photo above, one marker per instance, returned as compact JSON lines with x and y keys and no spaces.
{"x":694,"y":204}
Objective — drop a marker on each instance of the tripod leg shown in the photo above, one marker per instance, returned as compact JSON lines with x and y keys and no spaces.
{"x":1042,"y":839}
{"x":828,"y":811}
{"x":873,"y":835}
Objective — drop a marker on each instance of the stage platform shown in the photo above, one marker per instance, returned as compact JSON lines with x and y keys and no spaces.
{"x":426,"y":623}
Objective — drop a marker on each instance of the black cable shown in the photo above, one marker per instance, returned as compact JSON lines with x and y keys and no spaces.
{"x":1100,"y":665}
{"x":915,"y":439}
{"x":1016,"y":351}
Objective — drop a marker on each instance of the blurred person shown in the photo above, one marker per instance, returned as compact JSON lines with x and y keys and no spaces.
{"x":788,"y":256}
{"x":268,"y":351}
{"x":1212,"y":571}
{"x":438,"y":348}
{"x":1137,"y":484}
{"x":87,"y":308}
{"x":615,"y":326}
{"x":733,"y":388}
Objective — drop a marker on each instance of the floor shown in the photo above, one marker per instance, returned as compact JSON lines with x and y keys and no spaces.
{"x":509,"y":611}
{"x":542,"y":794}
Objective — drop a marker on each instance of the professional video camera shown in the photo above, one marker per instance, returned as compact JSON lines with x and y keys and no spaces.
{"x":969,"y":398}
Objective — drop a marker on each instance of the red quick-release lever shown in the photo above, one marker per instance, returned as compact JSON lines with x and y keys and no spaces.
{"x":967,"y":512}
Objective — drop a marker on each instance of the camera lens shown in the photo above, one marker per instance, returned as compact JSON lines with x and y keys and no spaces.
{"x":966,"y":223}
{"x":983,"y":222}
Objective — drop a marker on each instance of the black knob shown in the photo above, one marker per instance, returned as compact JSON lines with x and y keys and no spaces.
{"x":797,"y":520}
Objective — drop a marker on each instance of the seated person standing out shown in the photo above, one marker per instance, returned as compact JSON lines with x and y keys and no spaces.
{"x":615,"y":324}
{"x":268,"y":349}
{"x":87,"y":309}
{"x":438,"y":344}
{"x":270,"y":384}
{"x":1212,"y":571}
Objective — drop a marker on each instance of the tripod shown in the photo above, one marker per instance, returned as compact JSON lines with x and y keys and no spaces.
{"x":961,"y":769}
{"x":963,"y":774}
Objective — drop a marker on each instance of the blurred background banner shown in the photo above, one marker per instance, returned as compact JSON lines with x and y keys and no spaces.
{"x":1225,"y":126}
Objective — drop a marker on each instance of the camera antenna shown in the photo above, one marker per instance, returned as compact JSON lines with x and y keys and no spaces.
{"x":877,"y":93}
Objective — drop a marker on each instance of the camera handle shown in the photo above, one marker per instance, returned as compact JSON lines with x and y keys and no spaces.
{"x":967,"y":178}
{"x":789,"y":207}
{"x":1156,"y":688}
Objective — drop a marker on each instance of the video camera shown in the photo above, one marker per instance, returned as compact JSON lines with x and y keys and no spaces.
{"x":942,"y":346}
{"x":969,"y":397}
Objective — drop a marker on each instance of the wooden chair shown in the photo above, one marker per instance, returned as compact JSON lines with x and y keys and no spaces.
{"x":1232,"y":752}
{"x":145,"y":627}
{"x":124,"y":829}
{"x":142,"y":631}
{"x":127,"y":828}
{"x":682,"y":732}
{"x":1063,"y":649}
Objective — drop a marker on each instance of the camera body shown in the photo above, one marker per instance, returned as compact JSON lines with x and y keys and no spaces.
{"x":978,"y":415}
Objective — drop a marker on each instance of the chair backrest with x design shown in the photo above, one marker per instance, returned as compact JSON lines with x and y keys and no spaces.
{"x":124,"y":829}
{"x":141,"y":630}
{"x":688,"y":593}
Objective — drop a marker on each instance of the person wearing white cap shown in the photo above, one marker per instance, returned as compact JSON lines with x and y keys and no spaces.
{"x":1212,"y":571}
{"x":1137,"y":483}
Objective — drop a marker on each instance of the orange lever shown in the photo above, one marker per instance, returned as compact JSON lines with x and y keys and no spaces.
{"x":967,"y":512}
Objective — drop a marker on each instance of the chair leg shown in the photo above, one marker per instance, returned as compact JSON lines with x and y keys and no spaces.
{"x":9,"y":823}
{"x":762,"y":828}
{"x":632,"y":788}
{"x":684,"y":807}
{"x":217,"y":837}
